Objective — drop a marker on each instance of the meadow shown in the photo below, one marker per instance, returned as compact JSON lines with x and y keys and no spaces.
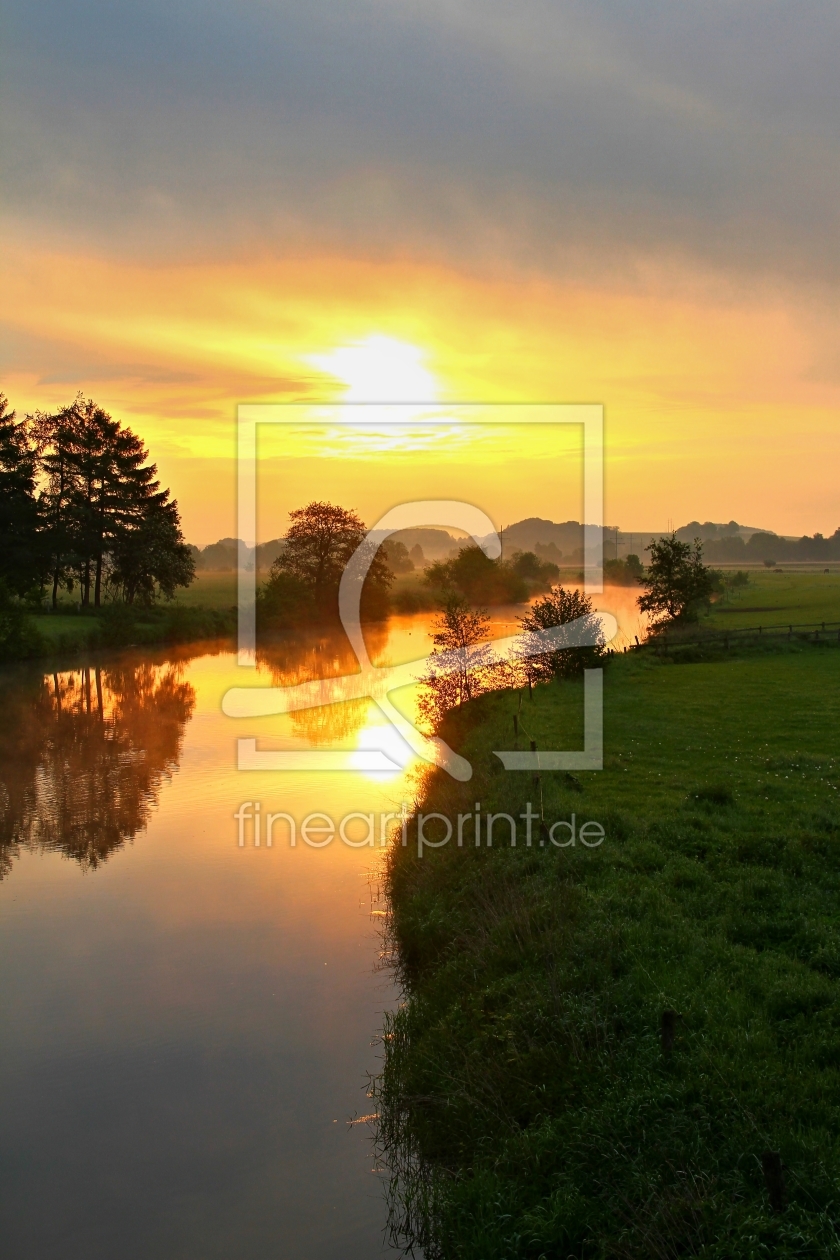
{"x":598,"y":1045}
{"x":776,"y":597}
{"x":210,"y":590}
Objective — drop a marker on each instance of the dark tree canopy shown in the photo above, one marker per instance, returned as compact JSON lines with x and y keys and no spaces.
{"x":560,"y":607}
{"x":678,"y":584}
{"x":80,"y":505}
{"x":22,"y":559}
{"x":305,"y":577}
{"x":151,"y":556}
{"x":477,"y":578}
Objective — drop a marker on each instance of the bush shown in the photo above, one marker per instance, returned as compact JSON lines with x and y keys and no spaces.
{"x":18,"y":636}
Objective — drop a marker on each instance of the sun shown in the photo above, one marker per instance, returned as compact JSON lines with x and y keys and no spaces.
{"x":380,"y":369}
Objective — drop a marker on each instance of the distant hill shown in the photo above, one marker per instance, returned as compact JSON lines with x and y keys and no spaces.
{"x":436,"y":544}
{"x":562,"y":542}
{"x":223,"y":556}
{"x":710,"y":530}
{"x":548,"y":539}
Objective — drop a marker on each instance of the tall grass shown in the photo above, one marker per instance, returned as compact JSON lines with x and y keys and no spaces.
{"x":529,"y":1104}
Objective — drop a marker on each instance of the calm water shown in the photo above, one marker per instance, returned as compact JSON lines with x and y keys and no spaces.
{"x":187,"y":1024}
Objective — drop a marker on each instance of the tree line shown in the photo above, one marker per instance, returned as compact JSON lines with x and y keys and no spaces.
{"x":304,"y":577}
{"x":82,"y":508}
{"x":767,"y":548}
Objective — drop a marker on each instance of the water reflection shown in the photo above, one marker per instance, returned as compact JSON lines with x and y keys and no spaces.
{"x":83,"y":754}
{"x":325,"y":654}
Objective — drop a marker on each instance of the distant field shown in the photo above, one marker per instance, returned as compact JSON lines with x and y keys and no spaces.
{"x":775,"y":597}
{"x":210,"y":590}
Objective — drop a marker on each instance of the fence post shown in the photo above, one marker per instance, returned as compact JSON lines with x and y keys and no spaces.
{"x":774,"y":1179}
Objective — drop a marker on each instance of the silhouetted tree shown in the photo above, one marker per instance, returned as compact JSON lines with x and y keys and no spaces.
{"x":149,"y":555}
{"x":305,"y":577}
{"x":477,"y":578}
{"x":462,"y":665}
{"x":57,"y":436}
{"x":559,"y":607}
{"x":22,"y":561}
{"x":102,"y":507}
{"x":679,"y":585}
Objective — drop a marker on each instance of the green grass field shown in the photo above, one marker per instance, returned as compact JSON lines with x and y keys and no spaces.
{"x":527,"y":1103}
{"x":210,"y":590}
{"x":63,"y":629}
{"x":775,"y":598}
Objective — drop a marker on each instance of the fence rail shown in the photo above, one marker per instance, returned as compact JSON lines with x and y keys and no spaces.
{"x":810,"y":631}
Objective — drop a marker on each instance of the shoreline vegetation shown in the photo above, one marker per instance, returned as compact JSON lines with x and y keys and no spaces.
{"x":598,"y":1048}
{"x":626,"y":1048}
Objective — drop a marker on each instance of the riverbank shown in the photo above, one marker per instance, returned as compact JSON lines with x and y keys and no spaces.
{"x":599,"y":1043}
{"x":116,"y":625}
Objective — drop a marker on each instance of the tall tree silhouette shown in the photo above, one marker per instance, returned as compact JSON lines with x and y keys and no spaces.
{"x":21,"y":556}
{"x":103,"y":508}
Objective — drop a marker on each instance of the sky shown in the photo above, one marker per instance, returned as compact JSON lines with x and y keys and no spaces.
{"x":635,"y":204}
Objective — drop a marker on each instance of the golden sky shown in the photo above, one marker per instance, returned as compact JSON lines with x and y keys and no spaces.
{"x":310,"y":204}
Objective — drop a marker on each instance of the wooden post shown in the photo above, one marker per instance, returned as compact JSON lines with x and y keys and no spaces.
{"x":774,"y":1179}
{"x":668,"y":1030}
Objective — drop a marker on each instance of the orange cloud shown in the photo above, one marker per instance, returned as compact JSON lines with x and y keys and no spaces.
{"x":715,"y":400}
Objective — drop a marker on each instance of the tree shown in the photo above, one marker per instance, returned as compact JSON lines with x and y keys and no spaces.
{"x":678,"y":584}
{"x":396,"y":554}
{"x":626,"y":572}
{"x":56,"y":435}
{"x":477,"y":578}
{"x":305,"y":577}
{"x":462,"y":665}
{"x":21,"y":555}
{"x":102,"y":504}
{"x":528,"y":565}
{"x":149,"y":557}
{"x":558,"y":608}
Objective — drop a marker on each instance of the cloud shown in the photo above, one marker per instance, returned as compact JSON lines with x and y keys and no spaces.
{"x":554,"y":136}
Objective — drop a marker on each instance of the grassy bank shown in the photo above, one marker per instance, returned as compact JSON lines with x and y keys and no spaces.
{"x":118,"y":625}
{"x":527,"y":1102}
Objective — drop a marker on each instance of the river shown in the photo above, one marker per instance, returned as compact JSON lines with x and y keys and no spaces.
{"x":189,"y":1022}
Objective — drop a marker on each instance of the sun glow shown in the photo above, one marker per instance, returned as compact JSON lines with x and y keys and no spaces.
{"x":390,"y":395}
{"x":380,"y":369}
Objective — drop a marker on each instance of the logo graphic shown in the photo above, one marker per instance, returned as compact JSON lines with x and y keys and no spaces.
{"x":376,"y":683}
